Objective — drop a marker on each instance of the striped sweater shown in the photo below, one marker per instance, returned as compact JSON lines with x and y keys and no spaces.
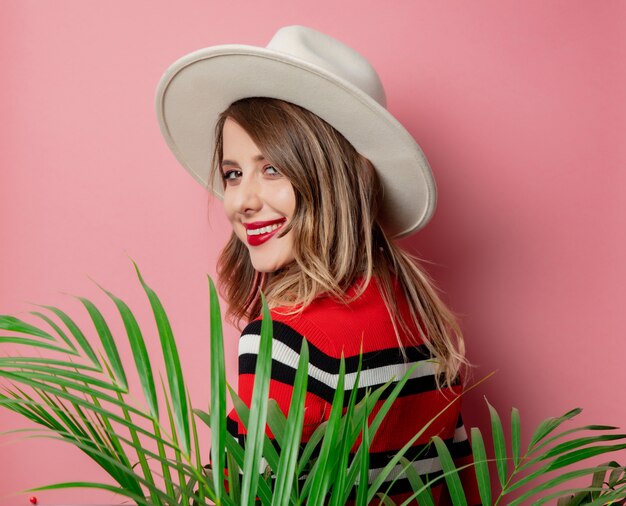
{"x":332,"y":328}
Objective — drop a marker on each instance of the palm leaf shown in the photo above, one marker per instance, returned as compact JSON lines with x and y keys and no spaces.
{"x":77,"y":334}
{"x":49,"y":373}
{"x":114,"y":439}
{"x":140,"y":353}
{"x":325,"y":464}
{"x":165,"y":469}
{"x":108,"y":343}
{"x":14,"y":324}
{"x":423,"y":494}
{"x":564,"y":461}
{"x":173,"y":369}
{"x":577,"y":443}
{"x":258,"y":412}
{"x":234,"y":480}
{"x":277,"y":422}
{"x":455,"y":487}
{"x":17,"y":362}
{"x":157,"y":495}
{"x":342,"y":485}
{"x":196,"y":445}
{"x":364,"y":462}
{"x":47,"y":384}
{"x":35,"y":343}
{"x":548,"y":426}
{"x":481,"y":466}
{"x":218,"y":394}
{"x":139,"y":499}
{"x":310,"y":447}
{"x":499,"y":445}
{"x":293,"y":433}
{"x":560,"y":435}
{"x":516,"y":436}
{"x":139,"y":448}
{"x":233,"y":448}
{"x":57,"y":329}
{"x":558,"y":480}
{"x":243,"y":412}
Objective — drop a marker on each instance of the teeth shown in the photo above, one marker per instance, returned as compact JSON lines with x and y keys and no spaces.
{"x":264,"y":230}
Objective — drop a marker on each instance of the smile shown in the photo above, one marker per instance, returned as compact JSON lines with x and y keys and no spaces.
{"x":259,"y":232}
{"x":263,"y":230}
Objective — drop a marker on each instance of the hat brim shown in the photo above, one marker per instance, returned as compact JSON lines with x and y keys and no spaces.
{"x":201,"y":85}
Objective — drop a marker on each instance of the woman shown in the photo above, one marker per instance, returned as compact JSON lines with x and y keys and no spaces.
{"x":317,"y":178}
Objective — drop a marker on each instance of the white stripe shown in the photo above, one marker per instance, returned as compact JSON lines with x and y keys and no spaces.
{"x":249,"y":343}
{"x":460,"y":434}
{"x":424,"y":466}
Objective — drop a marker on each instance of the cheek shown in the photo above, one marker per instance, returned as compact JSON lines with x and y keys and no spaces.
{"x":228,"y":207}
{"x":286,"y":199}
{"x":231,"y":215}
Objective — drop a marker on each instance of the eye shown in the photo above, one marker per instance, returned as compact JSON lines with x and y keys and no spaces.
{"x":270,"y":170}
{"x":231,"y":176}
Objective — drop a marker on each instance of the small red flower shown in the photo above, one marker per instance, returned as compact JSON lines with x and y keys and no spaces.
{"x":33,"y":500}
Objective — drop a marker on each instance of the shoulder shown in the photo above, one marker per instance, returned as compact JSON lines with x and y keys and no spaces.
{"x":361,"y":325}
{"x":289,"y":329}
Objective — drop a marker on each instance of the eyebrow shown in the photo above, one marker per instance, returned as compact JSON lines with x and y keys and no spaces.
{"x":257,"y":158}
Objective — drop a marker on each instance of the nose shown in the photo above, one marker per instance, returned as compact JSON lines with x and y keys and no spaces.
{"x":248,"y":198}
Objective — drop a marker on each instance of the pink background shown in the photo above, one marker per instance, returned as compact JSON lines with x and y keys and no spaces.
{"x":519,"y":106}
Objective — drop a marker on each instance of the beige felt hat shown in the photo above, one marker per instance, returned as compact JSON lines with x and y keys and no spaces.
{"x":312,"y":70}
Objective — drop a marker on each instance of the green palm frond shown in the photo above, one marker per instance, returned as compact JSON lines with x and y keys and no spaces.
{"x":549,"y":462}
{"x":76,"y":388}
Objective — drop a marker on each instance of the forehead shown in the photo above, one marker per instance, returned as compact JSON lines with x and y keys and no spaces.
{"x":237,"y":145}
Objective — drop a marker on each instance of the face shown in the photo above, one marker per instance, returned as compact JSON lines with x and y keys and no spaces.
{"x":258,"y":200}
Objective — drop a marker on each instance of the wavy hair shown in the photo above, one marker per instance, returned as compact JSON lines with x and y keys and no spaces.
{"x":338,"y":239}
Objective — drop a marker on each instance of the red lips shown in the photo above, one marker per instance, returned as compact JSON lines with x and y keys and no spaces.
{"x":256,"y":236}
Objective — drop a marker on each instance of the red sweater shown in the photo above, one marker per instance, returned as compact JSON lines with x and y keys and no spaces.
{"x":331,"y":328}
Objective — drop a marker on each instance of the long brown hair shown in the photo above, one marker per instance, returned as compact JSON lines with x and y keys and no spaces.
{"x":337,"y":235}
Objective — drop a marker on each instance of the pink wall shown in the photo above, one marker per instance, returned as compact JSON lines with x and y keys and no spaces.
{"x":520,"y":108}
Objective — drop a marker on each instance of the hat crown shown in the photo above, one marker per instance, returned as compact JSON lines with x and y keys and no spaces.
{"x":319,"y":49}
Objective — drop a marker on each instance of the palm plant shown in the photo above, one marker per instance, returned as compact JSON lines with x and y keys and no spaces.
{"x":152,"y":453}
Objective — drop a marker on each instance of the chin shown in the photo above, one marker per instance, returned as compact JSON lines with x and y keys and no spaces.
{"x":268,"y":267}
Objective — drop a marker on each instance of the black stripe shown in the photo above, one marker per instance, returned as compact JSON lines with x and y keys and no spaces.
{"x":232,"y":427}
{"x":381,"y":459}
{"x":286,"y":374}
{"x":388,"y":356}
{"x":401,"y":485}
{"x":378,"y":460}
{"x":461,"y":449}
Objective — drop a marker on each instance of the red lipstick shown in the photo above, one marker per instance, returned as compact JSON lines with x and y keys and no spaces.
{"x":259,"y":232}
